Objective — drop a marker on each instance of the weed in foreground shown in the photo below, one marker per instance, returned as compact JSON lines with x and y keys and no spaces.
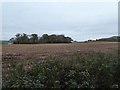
{"x":91,"y":70}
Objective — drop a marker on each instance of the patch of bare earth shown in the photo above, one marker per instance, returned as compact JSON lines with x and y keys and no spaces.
{"x":41,"y":51}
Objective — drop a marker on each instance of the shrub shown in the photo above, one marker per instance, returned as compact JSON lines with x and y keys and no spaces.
{"x":91,"y":70}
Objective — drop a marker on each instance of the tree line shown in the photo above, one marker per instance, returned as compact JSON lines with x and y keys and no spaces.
{"x":111,"y":39}
{"x":35,"y":39}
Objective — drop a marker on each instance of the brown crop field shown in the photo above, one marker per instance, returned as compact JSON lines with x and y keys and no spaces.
{"x":15,"y":55}
{"x":41,"y":51}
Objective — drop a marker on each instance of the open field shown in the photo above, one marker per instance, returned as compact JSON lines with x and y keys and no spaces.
{"x":41,"y":51}
{"x":84,"y":65}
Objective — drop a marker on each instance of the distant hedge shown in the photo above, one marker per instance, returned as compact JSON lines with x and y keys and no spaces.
{"x":111,"y":39}
{"x":35,"y":39}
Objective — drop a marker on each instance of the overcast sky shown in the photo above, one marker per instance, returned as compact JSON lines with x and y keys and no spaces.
{"x":79,"y":20}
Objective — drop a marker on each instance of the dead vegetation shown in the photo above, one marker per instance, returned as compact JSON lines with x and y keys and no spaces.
{"x":41,"y":51}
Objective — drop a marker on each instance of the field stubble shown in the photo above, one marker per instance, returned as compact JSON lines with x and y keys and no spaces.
{"x":42,"y":51}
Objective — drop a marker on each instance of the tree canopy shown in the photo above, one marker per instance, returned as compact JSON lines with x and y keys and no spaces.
{"x":35,"y":39}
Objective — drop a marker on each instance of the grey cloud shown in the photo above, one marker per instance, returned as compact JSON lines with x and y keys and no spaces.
{"x":77,"y":20}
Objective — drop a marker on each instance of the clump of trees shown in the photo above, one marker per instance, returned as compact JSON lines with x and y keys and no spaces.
{"x":35,"y":39}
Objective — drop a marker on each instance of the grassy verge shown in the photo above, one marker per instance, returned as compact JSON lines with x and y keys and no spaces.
{"x":90,"y":70}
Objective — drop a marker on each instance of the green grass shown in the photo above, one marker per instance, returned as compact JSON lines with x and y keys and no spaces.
{"x":91,"y":70}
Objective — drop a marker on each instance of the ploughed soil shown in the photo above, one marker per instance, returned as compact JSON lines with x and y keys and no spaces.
{"x":42,"y":51}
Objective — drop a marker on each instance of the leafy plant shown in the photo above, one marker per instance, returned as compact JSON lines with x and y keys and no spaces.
{"x":91,"y":70}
